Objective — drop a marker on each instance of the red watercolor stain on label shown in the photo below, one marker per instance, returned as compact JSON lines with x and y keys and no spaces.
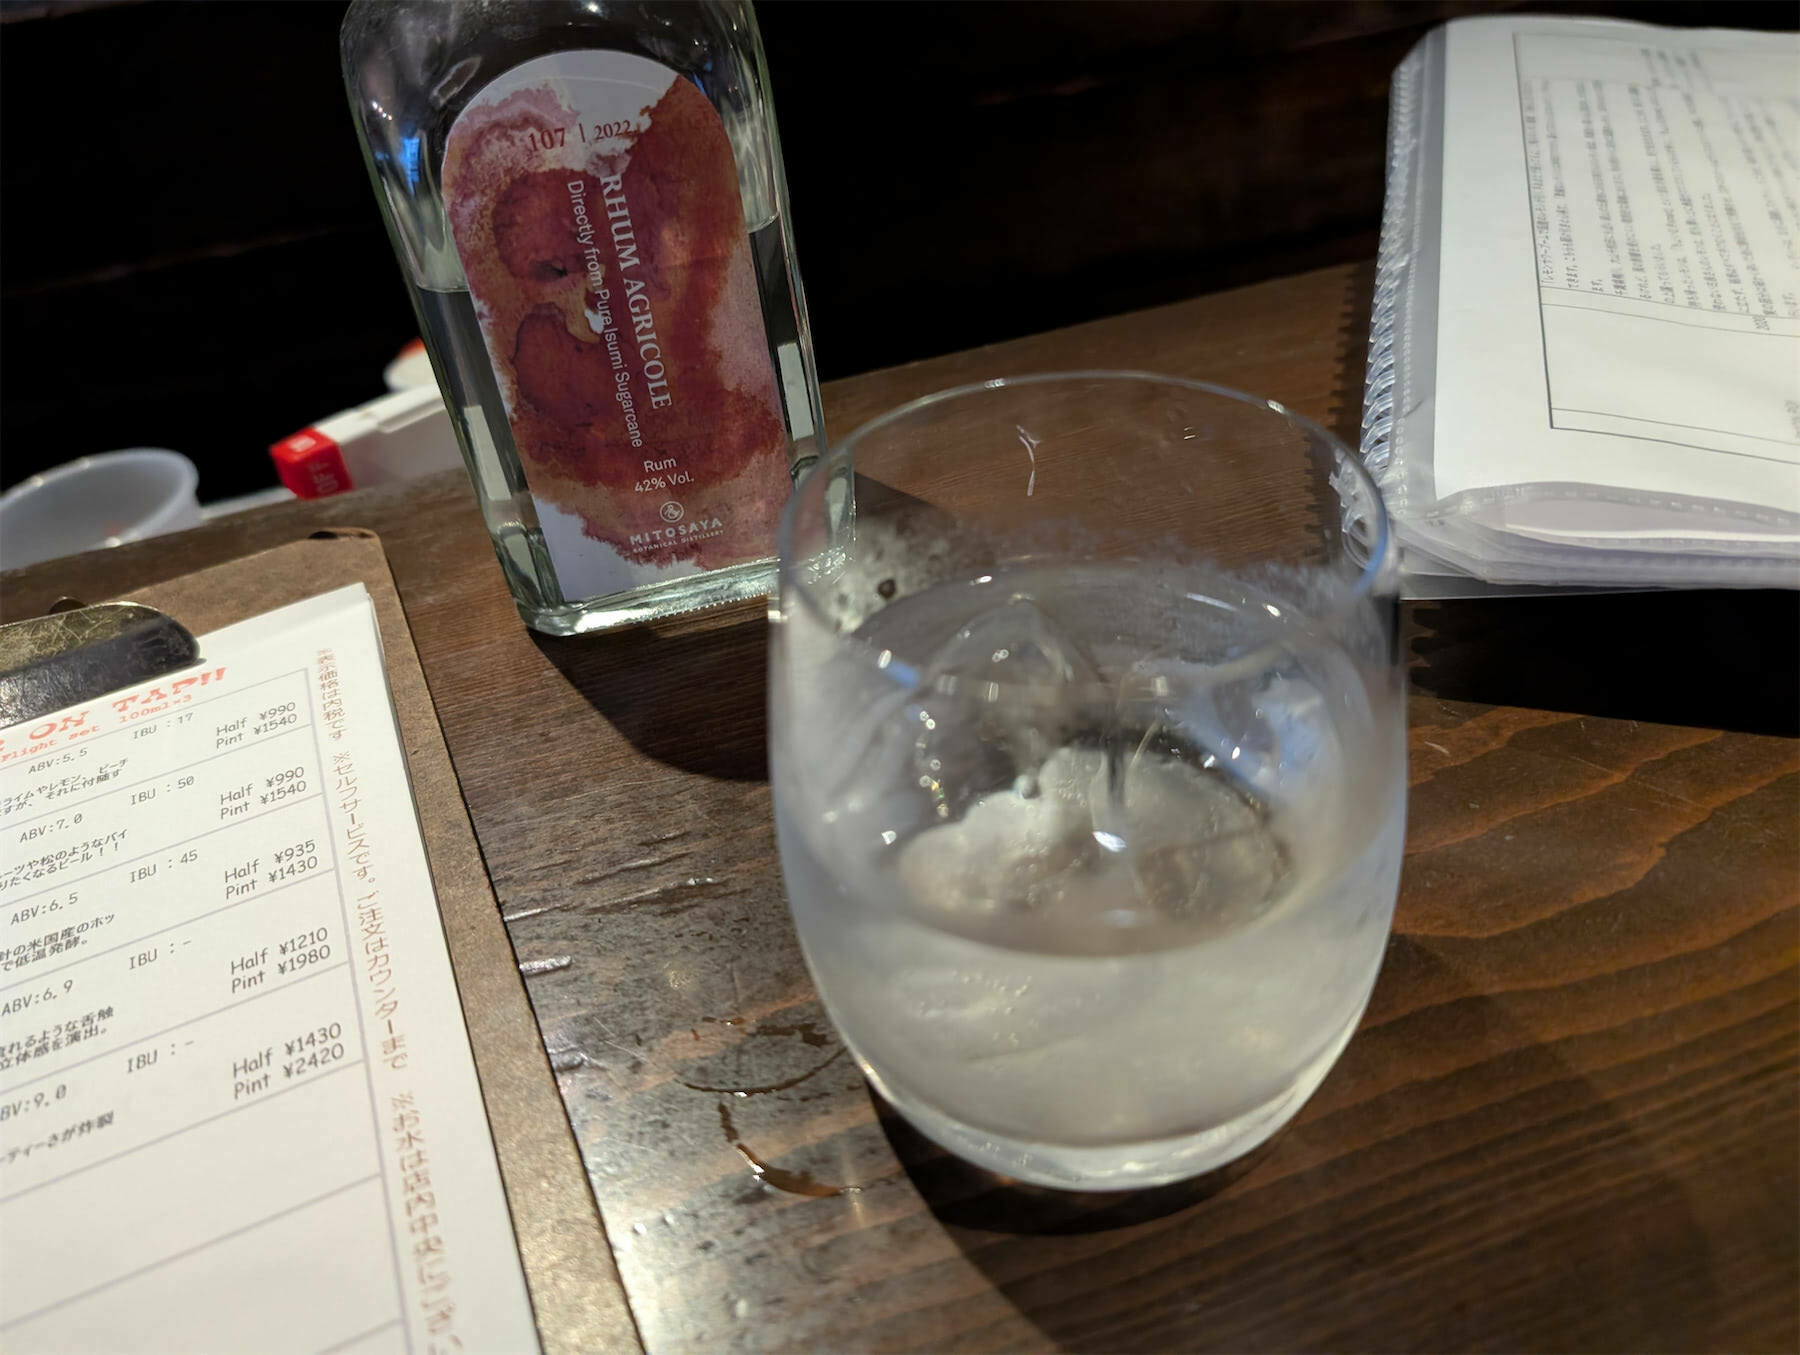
{"x":618,"y":300}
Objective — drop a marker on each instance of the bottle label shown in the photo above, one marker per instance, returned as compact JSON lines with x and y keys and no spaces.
{"x":593,"y":201}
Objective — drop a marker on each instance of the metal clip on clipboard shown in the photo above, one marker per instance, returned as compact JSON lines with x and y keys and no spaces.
{"x":80,"y":653}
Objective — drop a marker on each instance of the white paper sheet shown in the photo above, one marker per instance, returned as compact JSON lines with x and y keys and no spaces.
{"x":238,"y":1111}
{"x":1619,"y":300}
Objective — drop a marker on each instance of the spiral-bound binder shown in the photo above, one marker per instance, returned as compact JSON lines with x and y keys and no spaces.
{"x":1584,"y":350}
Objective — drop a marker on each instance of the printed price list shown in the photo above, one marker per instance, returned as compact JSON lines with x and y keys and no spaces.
{"x":204,"y":1044}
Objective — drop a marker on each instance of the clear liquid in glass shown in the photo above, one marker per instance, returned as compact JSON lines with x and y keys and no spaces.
{"x":1098,"y":896}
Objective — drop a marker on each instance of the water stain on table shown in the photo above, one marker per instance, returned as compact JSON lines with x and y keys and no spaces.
{"x":792,"y":1182}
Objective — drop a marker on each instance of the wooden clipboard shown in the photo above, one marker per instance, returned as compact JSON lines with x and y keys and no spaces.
{"x":576,"y":1295}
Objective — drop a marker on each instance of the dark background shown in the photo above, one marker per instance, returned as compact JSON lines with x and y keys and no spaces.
{"x":190,"y":255}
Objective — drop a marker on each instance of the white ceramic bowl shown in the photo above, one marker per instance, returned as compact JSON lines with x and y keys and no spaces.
{"x":101,"y":500}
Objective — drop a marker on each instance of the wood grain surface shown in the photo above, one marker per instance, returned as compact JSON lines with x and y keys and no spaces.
{"x":1570,"y":1121}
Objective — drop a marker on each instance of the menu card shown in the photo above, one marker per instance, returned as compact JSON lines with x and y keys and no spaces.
{"x":238,"y":1110}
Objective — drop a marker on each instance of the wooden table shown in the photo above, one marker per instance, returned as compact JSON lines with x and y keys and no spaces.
{"x":1570,"y":1120}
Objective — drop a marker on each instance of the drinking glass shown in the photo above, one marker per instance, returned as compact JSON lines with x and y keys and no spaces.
{"x":1087,"y":746}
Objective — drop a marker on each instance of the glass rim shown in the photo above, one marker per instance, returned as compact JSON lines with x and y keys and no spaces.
{"x":840,"y":453}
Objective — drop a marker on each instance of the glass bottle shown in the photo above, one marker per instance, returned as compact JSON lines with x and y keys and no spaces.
{"x":587,"y":200}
